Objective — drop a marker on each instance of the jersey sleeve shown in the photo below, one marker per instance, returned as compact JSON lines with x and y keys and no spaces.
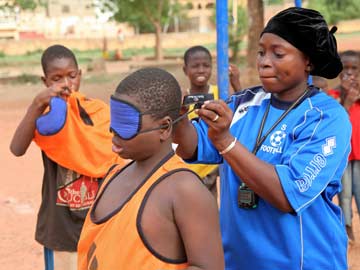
{"x":316,"y":158}
{"x":206,"y":152}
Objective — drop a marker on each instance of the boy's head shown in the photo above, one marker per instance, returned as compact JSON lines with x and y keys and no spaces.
{"x":197,"y":65}
{"x":143,"y":108}
{"x":351,"y":63}
{"x":306,"y":30}
{"x":60,"y":68}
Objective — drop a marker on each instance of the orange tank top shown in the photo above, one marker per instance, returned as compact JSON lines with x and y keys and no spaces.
{"x":116,"y":242}
{"x":85,"y":149}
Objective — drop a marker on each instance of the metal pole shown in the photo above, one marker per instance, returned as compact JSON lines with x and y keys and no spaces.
{"x":222,"y":45}
{"x":298,"y":3}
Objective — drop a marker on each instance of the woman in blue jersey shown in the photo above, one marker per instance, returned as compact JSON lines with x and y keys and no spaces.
{"x":284,"y":147}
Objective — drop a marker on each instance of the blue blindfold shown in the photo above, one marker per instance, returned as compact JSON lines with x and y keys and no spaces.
{"x":125,"y":119}
{"x":54,"y":120}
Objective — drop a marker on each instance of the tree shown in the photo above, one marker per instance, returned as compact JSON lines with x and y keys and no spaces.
{"x":22,"y":4}
{"x":336,"y":10}
{"x":237,"y":33}
{"x":238,"y":25}
{"x":144,"y":15}
{"x":256,"y":25}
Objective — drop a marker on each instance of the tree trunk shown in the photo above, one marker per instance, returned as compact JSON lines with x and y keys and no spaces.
{"x":256,"y":25}
{"x":158,"y":46}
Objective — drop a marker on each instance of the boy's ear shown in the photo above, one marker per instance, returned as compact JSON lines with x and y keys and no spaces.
{"x":44,"y":80}
{"x":184,"y":69}
{"x":166,"y":131}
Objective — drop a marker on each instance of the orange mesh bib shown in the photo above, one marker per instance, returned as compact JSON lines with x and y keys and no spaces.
{"x":85,"y":149}
{"x":115,"y":243}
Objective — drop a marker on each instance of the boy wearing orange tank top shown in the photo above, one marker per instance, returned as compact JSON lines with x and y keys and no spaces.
{"x":154,"y":213}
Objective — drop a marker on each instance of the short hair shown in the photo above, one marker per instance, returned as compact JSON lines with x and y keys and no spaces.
{"x":349,"y":53}
{"x":192,"y":50}
{"x":56,"y":52}
{"x":156,"y":91}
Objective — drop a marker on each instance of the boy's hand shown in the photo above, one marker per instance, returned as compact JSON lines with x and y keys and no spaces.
{"x":42,"y":100}
{"x":352,"y":92}
{"x":234,"y":75}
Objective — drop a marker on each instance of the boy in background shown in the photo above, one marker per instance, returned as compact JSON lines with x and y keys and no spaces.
{"x":72,"y":132}
{"x":154,"y":213}
{"x":198,"y":68}
{"x":348,"y":94}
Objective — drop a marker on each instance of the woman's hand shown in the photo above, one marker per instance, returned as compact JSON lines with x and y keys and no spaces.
{"x":218,"y":117}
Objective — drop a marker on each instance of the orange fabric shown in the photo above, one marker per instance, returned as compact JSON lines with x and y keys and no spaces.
{"x":84,"y":149}
{"x":116,"y":244}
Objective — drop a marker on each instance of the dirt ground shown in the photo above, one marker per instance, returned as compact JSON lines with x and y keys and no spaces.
{"x":21,"y":189}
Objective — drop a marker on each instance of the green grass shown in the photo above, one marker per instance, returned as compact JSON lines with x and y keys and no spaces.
{"x":150,"y":52}
{"x":33,"y":58}
{"x":347,"y":35}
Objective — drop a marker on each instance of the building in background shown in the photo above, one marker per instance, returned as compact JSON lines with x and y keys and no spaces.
{"x":58,"y":19}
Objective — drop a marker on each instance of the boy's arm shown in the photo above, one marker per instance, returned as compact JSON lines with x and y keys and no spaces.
{"x":196,"y":216}
{"x":185,"y":135}
{"x":25,"y":131}
{"x":234,"y":76}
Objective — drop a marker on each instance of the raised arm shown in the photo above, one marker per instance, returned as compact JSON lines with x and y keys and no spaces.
{"x":25,"y":131}
{"x":186,"y":137}
{"x":260,"y":176}
{"x":234,"y":76}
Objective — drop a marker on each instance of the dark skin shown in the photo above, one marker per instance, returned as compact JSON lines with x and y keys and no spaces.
{"x":180,"y":218}
{"x":349,"y":81}
{"x":62,"y":77}
{"x":198,"y":70}
{"x":275,"y":63}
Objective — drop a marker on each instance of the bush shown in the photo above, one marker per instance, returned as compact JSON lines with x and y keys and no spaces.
{"x":336,"y":10}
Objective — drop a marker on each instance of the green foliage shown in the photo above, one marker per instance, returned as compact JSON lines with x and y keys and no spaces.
{"x":26,"y":79}
{"x":336,"y":10}
{"x":273,"y":2}
{"x":26,"y":4}
{"x":22,"y":4}
{"x":142,"y":14}
{"x":33,"y":57}
{"x":236,"y":35}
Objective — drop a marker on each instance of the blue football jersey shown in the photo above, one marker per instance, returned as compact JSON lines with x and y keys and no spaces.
{"x":309,"y":149}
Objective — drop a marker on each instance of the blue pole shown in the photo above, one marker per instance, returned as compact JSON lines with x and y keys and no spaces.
{"x":298,"y":3}
{"x":222,"y":45}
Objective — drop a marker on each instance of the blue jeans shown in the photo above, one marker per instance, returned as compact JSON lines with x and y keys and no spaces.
{"x":351,"y":187}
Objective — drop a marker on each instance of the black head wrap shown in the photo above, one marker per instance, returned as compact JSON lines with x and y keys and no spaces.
{"x":307,"y":30}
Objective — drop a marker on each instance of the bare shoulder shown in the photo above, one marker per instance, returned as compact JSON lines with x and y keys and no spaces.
{"x":186,"y":185}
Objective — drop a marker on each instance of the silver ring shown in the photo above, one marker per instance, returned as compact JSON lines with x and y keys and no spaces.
{"x":215,"y":118}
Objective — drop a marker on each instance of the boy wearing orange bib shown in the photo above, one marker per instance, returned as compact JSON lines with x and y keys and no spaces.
{"x":154,"y":213}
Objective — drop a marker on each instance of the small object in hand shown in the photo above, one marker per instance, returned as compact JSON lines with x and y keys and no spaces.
{"x":197,"y":99}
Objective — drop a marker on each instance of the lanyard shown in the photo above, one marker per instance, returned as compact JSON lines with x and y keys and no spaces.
{"x":259,"y":139}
